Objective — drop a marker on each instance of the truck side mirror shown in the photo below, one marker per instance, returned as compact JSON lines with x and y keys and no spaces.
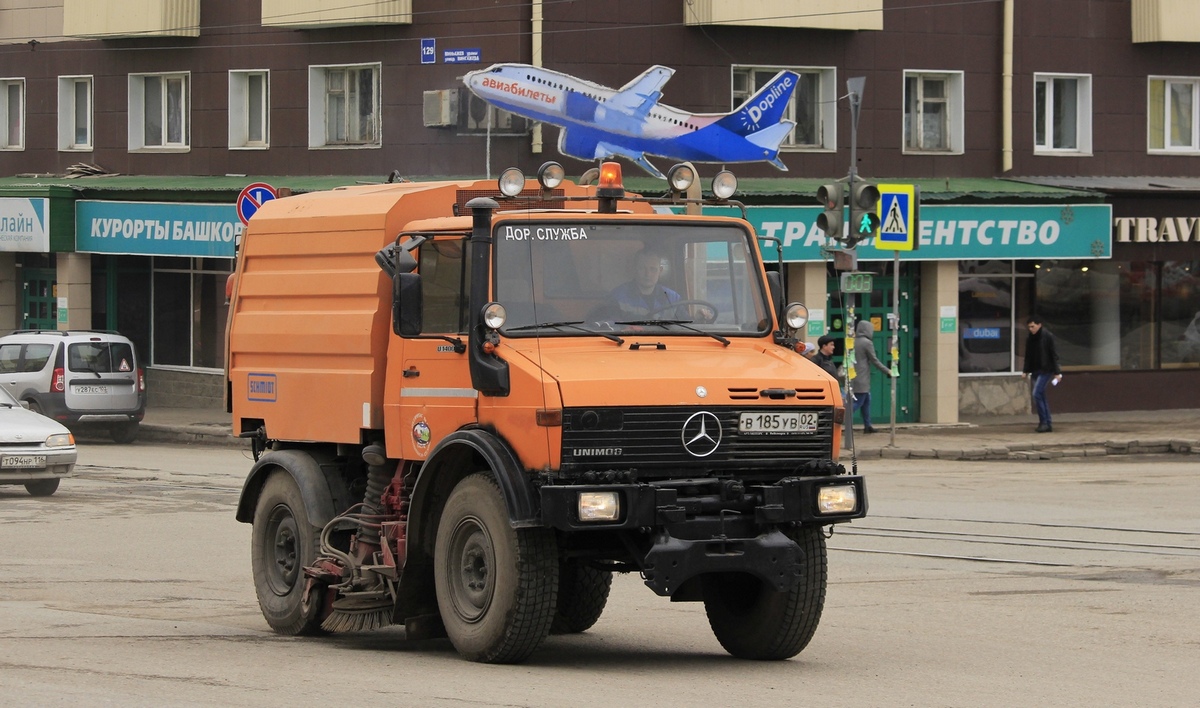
{"x":406,"y":304}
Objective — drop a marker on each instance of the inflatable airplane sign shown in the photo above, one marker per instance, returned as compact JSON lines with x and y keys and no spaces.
{"x":598,"y":122}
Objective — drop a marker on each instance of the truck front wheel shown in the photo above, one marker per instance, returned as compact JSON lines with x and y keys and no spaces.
{"x":283,"y":543}
{"x":496,"y":585}
{"x":752,"y":620}
{"x":582,"y":595}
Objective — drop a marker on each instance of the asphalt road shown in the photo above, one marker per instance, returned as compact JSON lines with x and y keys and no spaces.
{"x":970,"y":584}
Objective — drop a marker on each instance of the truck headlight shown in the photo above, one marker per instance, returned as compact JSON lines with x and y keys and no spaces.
{"x":599,"y":506}
{"x":837,"y":499}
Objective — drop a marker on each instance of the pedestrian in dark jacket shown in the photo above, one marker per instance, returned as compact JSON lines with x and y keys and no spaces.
{"x":823,"y":356}
{"x":1041,"y":364}
{"x":864,"y":359}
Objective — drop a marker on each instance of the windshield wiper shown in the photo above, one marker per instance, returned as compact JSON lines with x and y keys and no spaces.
{"x":569,"y":325}
{"x":686,"y":324}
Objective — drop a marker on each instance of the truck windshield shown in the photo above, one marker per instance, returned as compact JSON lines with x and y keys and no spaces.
{"x":692,"y":279}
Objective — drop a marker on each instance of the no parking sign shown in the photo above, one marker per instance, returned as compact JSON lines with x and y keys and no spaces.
{"x":253,"y":197}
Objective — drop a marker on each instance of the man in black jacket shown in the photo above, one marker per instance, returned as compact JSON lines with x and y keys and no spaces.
{"x":1041,"y":363}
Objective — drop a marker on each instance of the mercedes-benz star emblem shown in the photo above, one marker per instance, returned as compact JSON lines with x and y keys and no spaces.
{"x":701,"y":434}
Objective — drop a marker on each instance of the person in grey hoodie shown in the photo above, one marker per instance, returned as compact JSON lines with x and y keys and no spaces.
{"x":864,"y":359}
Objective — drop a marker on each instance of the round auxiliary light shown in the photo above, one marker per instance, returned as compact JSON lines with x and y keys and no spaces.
{"x":796,"y":315}
{"x":724,"y":185}
{"x":550,"y":175}
{"x":680,"y":177}
{"x":511,"y":182}
{"x":494,"y":315}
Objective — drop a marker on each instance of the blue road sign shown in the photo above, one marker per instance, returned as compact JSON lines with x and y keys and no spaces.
{"x":429,"y":51}
{"x":253,"y":197}
{"x":897,"y":217}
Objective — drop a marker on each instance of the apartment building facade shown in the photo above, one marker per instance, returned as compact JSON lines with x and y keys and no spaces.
{"x":1056,"y":145}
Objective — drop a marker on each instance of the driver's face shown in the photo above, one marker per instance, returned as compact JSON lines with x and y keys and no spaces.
{"x":647,"y":271}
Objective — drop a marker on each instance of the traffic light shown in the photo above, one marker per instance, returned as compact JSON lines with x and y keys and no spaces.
{"x":831,"y":197}
{"x":864,"y":212}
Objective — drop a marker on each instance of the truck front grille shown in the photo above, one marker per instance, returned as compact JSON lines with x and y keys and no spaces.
{"x":651,"y":440}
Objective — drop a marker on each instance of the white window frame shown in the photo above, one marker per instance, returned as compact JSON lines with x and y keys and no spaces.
{"x":68,"y":113}
{"x":7,"y":140}
{"x":239,"y":109}
{"x":137,"y":113}
{"x":954,"y":101}
{"x":1166,"y":148}
{"x":826,"y":101}
{"x":318,"y":95}
{"x":1083,"y":115}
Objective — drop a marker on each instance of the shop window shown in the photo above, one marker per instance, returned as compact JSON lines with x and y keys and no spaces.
{"x":812,"y":106}
{"x":74,"y":113}
{"x":1180,"y":314}
{"x":933,"y":112}
{"x":158,"y":112}
{"x":189,"y":312}
{"x":1173,"y":115}
{"x":344,"y":106}
{"x":249,"y":109}
{"x":12,"y":114}
{"x":1062,"y":114}
{"x":993,"y":298}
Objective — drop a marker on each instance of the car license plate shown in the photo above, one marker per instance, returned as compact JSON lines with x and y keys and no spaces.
{"x":23,"y":461}
{"x":777,"y":423}
{"x":86,"y":390}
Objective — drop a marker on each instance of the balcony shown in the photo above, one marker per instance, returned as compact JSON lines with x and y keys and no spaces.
{"x":130,"y":19}
{"x":810,"y":14}
{"x":311,"y":14}
{"x":1166,"y":21}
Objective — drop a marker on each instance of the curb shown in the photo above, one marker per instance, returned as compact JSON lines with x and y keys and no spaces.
{"x":1155,"y":446}
{"x":215,"y":435}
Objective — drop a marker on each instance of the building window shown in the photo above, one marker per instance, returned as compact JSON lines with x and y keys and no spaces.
{"x":813,"y":105}
{"x":933,"y":112}
{"x":158,"y":112}
{"x":1122,"y":314}
{"x":343,"y":106}
{"x":993,"y":300}
{"x":189,"y":311}
{"x":12,"y":114}
{"x":1062,"y":114}
{"x":1174,"y":115}
{"x":249,"y":109}
{"x":74,"y":113}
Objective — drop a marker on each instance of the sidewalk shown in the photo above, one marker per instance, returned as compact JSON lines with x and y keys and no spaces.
{"x":992,"y":438}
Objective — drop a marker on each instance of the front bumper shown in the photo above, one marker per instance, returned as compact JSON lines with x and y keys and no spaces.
{"x":705,"y":526}
{"x":59,"y":463}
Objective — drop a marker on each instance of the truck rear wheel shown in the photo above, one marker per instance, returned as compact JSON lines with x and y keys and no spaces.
{"x":582,"y":595}
{"x":754,"y":621}
{"x":283,"y":543}
{"x":496,"y":585}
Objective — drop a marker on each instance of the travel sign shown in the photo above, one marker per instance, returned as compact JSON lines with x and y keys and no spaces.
{"x":954,"y":232}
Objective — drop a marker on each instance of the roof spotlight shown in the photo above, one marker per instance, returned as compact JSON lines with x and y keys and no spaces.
{"x":550,"y":175}
{"x":724,"y":185}
{"x":680,"y":177}
{"x":512,"y":181}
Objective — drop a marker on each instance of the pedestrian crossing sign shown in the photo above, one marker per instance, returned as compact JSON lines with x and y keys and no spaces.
{"x":899,"y":225}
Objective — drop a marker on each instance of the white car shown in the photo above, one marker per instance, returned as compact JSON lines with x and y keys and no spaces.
{"x":34,"y":450}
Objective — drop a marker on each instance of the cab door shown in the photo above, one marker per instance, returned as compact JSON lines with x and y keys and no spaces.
{"x":436,"y":396}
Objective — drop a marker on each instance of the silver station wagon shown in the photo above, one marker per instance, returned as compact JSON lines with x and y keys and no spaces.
{"x":81,"y":379}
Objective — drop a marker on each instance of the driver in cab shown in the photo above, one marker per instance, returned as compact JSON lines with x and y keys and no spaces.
{"x":644,"y":297}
